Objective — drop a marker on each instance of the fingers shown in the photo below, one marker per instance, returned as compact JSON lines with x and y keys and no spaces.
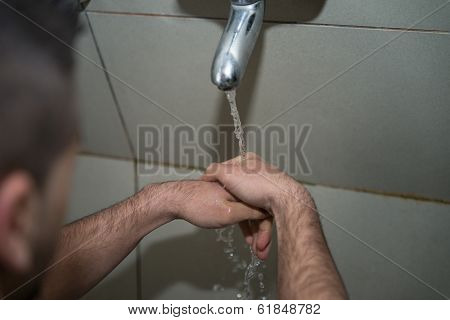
{"x":238,"y":159}
{"x":258,"y":235}
{"x":229,"y":175}
{"x":215,"y":172}
{"x":263,"y":238}
{"x":240,"y":212}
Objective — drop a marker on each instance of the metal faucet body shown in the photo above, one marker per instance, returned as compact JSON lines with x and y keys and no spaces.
{"x":237,"y":43}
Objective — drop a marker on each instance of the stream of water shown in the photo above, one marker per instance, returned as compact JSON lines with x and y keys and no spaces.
{"x":238,"y":131}
{"x":252,"y":269}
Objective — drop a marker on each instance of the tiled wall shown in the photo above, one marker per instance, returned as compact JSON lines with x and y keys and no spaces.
{"x":371,"y":77}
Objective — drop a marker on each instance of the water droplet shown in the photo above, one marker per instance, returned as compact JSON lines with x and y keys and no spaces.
{"x":218,"y":287}
{"x":228,"y":250}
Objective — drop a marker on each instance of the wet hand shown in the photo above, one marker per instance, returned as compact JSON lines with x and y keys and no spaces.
{"x":260,"y":185}
{"x":209,"y":205}
{"x":255,"y":182}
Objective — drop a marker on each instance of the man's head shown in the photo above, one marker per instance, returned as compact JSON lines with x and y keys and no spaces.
{"x":37,"y":131}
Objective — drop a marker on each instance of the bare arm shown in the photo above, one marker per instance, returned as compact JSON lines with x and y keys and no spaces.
{"x":92,"y":247}
{"x":305,"y":267}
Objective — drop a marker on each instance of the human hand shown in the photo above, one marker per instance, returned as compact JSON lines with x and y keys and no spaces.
{"x":208,"y":204}
{"x":261,"y":185}
{"x":255,"y":182}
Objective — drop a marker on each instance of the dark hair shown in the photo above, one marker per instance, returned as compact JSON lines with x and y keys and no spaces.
{"x":37,"y":112}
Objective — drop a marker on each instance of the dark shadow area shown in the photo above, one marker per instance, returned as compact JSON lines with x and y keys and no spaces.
{"x":197,"y":259}
{"x":276,"y":10}
{"x":119,"y":285}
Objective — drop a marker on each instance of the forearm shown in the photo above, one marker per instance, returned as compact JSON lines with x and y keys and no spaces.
{"x":92,"y":247}
{"x":306,"y":269}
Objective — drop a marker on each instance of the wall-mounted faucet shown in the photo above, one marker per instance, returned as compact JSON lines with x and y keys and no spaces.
{"x":237,"y":43}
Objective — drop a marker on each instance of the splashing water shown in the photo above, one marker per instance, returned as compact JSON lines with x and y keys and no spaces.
{"x":226,"y":235}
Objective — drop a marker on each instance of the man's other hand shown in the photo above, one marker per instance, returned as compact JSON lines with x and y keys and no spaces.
{"x":260,"y":185}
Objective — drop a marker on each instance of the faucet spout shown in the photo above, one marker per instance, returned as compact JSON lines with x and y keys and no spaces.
{"x":237,"y":43}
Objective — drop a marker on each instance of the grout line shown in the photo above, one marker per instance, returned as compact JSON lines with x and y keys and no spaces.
{"x":404,"y":196}
{"x":350,"y":26}
{"x":139,"y":161}
{"x":174,"y":166}
{"x":106,"y":156}
{"x":111,"y":88}
{"x":269,"y":21}
{"x":147,"y":14}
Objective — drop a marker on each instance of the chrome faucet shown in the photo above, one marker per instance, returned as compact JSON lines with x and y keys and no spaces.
{"x":237,"y":43}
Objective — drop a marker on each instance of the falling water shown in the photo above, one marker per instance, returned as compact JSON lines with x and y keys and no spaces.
{"x":226,"y":235}
{"x":238,"y":131}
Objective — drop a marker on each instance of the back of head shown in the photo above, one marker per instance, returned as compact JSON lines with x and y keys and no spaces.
{"x":37,"y":113}
{"x":38,"y":128}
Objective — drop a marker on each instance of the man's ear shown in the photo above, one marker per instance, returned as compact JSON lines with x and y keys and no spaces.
{"x":16,"y":194}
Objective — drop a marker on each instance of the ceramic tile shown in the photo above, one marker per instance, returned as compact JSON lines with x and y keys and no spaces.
{"x":101,"y":129}
{"x":413,"y":234}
